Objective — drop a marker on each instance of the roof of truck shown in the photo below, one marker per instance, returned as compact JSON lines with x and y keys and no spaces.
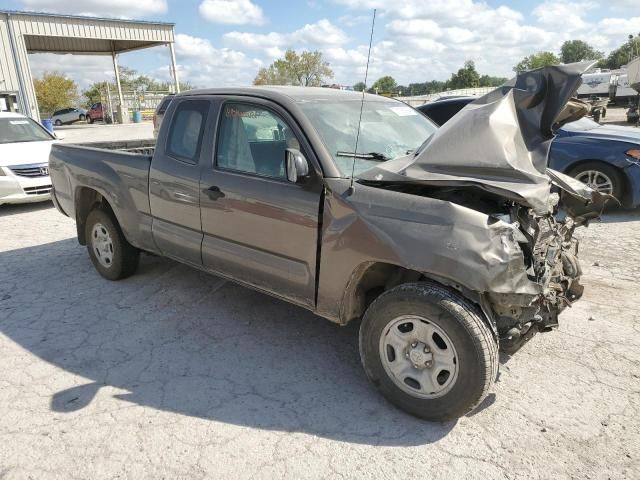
{"x":296,"y":94}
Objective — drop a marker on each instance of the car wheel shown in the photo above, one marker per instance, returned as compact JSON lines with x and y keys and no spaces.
{"x":58,"y":123}
{"x":89,"y":120}
{"x":82,"y":117}
{"x":112,"y":256}
{"x":601,"y":177}
{"x":428,"y":350}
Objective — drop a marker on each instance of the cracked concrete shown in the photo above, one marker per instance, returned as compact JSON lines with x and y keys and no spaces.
{"x":176,"y":374}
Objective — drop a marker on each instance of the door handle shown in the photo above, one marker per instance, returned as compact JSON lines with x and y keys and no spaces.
{"x":214,"y":193}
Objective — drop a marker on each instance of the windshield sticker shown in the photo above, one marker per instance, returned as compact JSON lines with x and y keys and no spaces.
{"x":403,"y":111}
{"x":19,"y":122}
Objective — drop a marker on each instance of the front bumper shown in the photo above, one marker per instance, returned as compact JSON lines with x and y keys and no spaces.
{"x":17,"y":189}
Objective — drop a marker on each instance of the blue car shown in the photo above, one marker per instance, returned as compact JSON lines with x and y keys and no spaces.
{"x":605,"y":157}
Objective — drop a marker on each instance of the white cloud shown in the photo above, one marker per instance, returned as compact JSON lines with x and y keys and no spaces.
{"x":202,"y":64}
{"x":320,"y":34}
{"x":110,"y":8}
{"x":235,"y":12}
{"x":566,"y":16}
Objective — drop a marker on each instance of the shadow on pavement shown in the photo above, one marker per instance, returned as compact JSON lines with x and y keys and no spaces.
{"x":7,"y":210}
{"x":182,"y":341}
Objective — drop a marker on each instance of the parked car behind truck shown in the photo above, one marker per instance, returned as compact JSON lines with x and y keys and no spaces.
{"x":24,"y":160}
{"x":68,"y":115}
{"x":254,"y":185}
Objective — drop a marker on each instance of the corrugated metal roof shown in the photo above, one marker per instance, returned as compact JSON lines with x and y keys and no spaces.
{"x":45,"y":14}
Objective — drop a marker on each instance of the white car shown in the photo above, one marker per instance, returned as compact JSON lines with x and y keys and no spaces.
{"x":24,"y":160}
{"x":68,"y":115}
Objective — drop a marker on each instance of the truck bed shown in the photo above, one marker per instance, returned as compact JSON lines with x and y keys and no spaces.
{"x":114,"y":171}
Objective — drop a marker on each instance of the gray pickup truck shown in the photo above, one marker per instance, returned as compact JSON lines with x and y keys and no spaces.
{"x":443,"y":242}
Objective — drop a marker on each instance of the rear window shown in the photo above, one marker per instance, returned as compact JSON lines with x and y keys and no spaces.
{"x":187,"y":127}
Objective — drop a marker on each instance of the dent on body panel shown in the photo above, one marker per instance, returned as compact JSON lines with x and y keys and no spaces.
{"x":435,"y":237}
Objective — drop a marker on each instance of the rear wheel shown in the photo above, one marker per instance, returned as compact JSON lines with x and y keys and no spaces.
{"x":58,"y":122}
{"x":428,"y":350}
{"x":112,"y":256}
{"x":601,"y":177}
{"x":82,"y":118}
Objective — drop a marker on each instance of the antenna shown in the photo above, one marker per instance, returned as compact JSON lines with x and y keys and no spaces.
{"x":364,"y":89}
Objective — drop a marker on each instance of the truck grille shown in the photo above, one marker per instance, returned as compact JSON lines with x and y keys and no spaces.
{"x":39,"y":190}
{"x":32,"y":171}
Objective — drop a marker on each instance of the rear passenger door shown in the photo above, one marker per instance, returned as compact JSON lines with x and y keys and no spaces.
{"x":174,"y":180}
{"x":258,"y":227}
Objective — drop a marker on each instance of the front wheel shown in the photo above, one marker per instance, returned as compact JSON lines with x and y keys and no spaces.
{"x":82,"y":118}
{"x":89,"y":120}
{"x":428,"y":350}
{"x":58,"y":123}
{"x":112,"y":256}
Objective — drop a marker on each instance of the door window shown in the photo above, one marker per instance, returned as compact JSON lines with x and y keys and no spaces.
{"x":187,"y":127}
{"x":254,"y":140}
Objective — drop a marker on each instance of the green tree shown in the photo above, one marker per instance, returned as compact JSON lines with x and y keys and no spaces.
{"x":466,"y":77}
{"x":358,"y":87}
{"x":622,"y":55}
{"x":577,"y":50}
{"x":307,"y":69}
{"x":386,"y":84}
{"x":55,"y":91}
{"x":537,"y":60}
{"x":488,"y":81}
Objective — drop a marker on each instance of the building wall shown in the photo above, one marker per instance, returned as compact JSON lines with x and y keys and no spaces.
{"x":8,"y":75}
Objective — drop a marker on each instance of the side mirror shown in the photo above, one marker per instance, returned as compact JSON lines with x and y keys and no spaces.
{"x":297,"y":167}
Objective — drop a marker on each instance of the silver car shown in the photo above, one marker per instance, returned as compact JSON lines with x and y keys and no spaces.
{"x":68,"y":115}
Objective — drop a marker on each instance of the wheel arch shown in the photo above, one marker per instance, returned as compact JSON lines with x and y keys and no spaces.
{"x":370,"y":279}
{"x":86,"y":199}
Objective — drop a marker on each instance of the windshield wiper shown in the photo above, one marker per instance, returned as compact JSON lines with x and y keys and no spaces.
{"x":365,"y":156}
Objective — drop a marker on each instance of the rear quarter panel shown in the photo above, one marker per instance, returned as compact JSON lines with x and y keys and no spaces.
{"x":121,"y":178}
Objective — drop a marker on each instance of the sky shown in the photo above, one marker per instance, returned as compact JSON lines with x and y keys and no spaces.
{"x":225,"y":42}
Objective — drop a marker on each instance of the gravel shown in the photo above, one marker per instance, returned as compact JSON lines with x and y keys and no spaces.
{"x":177,"y":374}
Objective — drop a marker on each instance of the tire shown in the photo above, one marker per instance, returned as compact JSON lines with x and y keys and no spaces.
{"x":114,"y":258}
{"x":459,"y":327}
{"x":601,"y":170}
{"x":82,"y":118}
{"x":57,"y":123}
{"x":89,"y":120}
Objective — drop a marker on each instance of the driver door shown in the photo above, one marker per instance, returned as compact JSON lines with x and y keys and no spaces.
{"x":258,"y":227}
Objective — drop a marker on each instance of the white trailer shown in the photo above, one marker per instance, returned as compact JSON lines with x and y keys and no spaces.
{"x":622,"y":92}
{"x":597,"y":84}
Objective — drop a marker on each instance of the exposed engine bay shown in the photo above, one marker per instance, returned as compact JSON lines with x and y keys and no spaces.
{"x":551,"y":260}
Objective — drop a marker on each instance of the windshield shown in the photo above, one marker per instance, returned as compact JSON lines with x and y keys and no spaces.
{"x":389,"y":130}
{"x":18,"y":130}
{"x":580,"y":125}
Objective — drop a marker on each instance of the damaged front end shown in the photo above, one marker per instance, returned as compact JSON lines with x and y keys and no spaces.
{"x":550,"y":255}
{"x":491,"y":158}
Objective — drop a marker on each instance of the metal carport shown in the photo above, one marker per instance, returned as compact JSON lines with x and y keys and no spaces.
{"x":22,"y":33}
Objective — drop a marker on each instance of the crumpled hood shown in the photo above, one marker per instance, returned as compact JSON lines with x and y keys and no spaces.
{"x":500,"y":142}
